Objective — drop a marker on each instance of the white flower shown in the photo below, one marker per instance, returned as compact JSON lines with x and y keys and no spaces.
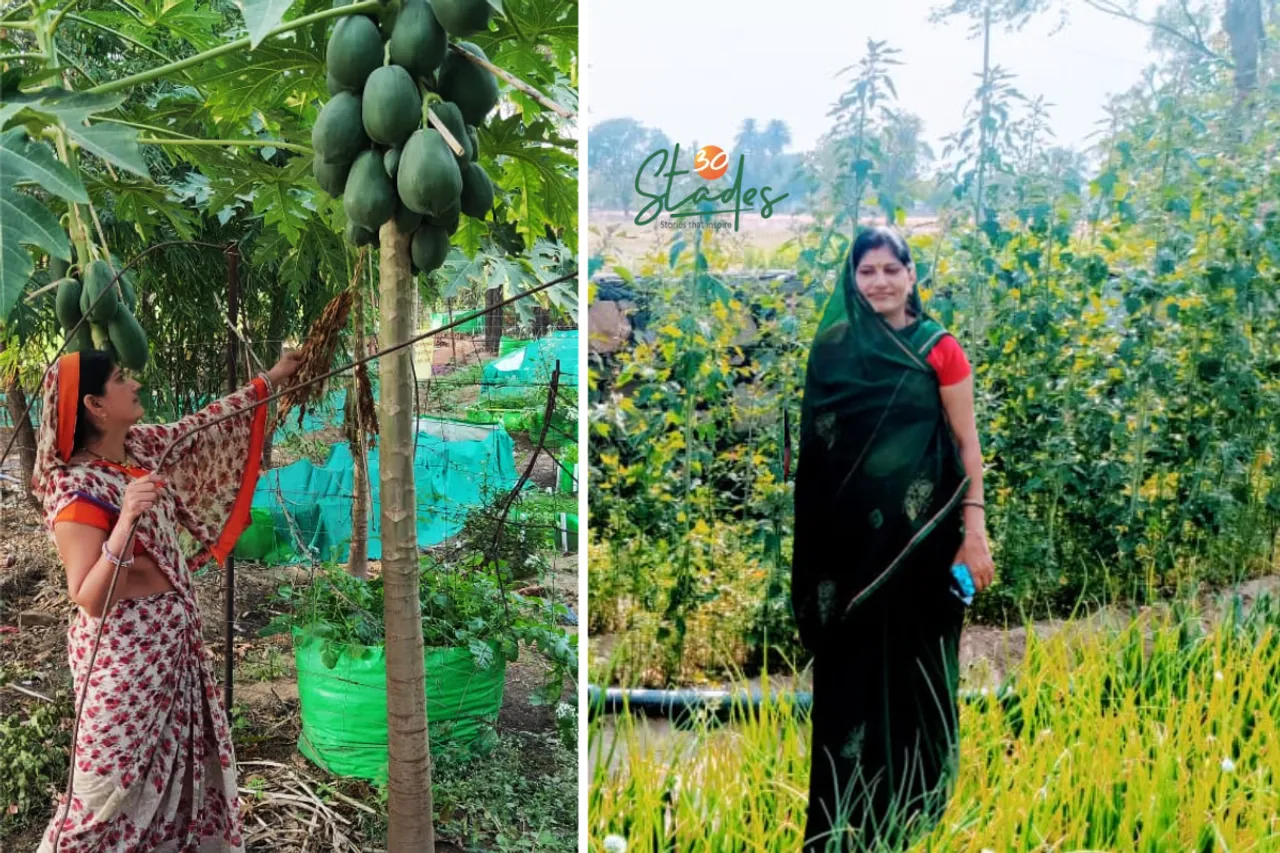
{"x":1228,"y":765}
{"x":1217,"y":676}
{"x":615,"y":844}
{"x":983,"y":691}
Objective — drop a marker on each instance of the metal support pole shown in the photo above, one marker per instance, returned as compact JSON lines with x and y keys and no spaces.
{"x":233,"y":311}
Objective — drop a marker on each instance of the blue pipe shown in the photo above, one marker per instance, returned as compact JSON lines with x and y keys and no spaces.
{"x":719,"y":704}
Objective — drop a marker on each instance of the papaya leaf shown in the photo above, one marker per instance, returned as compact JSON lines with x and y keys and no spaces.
{"x":115,"y":144}
{"x":459,"y":272}
{"x":24,"y":221}
{"x":261,"y":17}
{"x":23,"y":159}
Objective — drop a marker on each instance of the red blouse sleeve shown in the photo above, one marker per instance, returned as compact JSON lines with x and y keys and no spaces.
{"x":81,"y":511}
{"x":949,"y":361}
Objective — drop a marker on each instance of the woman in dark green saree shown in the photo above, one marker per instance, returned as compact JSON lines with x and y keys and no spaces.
{"x":888,"y":499}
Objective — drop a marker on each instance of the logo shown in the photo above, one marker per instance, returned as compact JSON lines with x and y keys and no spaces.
{"x":709,"y":163}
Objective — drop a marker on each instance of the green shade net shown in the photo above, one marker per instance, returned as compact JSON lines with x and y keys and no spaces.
{"x":473,"y":326}
{"x":303,"y":511}
{"x":526,"y":372}
{"x":343,"y":692}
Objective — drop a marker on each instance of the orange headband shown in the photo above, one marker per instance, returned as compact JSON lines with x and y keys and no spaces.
{"x":68,"y":403}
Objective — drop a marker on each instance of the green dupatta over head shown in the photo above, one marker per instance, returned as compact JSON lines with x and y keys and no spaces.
{"x":878,"y":476}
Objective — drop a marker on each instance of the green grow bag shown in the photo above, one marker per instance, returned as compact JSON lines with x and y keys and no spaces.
{"x":261,"y":542}
{"x":568,"y":479}
{"x":344,"y":708}
{"x":512,"y":420}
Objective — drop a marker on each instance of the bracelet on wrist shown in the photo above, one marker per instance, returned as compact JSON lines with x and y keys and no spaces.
{"x":114,"y":560}
{"x":977,"y":504}
{"x":266,"y":379}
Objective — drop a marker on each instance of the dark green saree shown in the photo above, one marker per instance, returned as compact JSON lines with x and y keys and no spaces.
{"x":878,"y":490}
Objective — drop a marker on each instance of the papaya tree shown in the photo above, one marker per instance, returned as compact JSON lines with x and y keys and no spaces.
{"x":125,"y":123}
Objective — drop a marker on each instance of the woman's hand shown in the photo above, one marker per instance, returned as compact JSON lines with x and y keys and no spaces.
{"x":139,"y":497}
{"x":283,"y":369}
{"x":975,"y":553}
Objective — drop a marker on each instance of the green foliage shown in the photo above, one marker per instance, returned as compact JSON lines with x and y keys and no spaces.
{"x":462,"y":605}
{"x":1153,"y":735}
{"x":522,"y":796}
{"x":1123,"y":330}
{"x":34,"y":744}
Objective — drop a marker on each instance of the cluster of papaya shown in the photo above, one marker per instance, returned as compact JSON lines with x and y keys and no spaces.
{"x":108,"y":305}
{"x":374,"y":143}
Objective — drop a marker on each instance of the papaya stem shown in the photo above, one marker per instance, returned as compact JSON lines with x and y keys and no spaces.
{"x":230,"y":47}
{"x":440,"y":126}
{"x":249,"y":143}
{"x":514,"y":82}
{"x":36,"y":294}
{"x":62,"y":13}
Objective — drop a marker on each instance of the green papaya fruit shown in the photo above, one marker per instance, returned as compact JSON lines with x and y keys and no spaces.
{"x":99,"y":298}
{"x":449,"y":220}
{"x":407,"y":220}
{"x":418,"y":42}
{"x":474,"y":136}
{"x":57,"y":268}
{"x":462,"y":17}
{"x":476,"y":200}
{"x":430,"y":247}
{"x":332,"y":177}
{"x":81,"y":341}
{"x":391,"y":106}
{"x":370,"y":199}
{"x":67,"y":303}
{"x":338,"y":135}
{"x":428,"y":178}
{"x":358,"y":235}
{"x":128,"y":292}
{"x":472,"y":88}
{"x":388,"y":15}
{"x":391,"y":162}
{"x":451,"y":117}
{"x":333,"y":86}
{"x":129,"y":340}
{"x":355,"y":50}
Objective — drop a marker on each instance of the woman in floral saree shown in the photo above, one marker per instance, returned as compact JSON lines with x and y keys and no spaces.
{"x":888,"y":498}
{"x":153,"y":764}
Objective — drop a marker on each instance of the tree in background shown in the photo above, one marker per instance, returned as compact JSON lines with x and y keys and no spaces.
{"x":617,"y":149}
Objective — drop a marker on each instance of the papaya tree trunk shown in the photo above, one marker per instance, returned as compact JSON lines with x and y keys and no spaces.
{"x":16,"y":401}
{"x":358,"y":563}
{"x":409,"y":806}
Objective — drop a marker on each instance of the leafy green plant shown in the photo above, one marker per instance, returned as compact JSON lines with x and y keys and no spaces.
{"x":462,"y":606}
{"x":1153,"y":736}
{"x":34,"y":743}
{"x":1121,"y":320}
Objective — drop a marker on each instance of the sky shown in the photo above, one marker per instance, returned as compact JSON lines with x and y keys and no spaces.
{"x":697,"y":69}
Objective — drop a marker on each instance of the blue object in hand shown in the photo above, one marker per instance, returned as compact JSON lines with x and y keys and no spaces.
{"x":964,"y":582}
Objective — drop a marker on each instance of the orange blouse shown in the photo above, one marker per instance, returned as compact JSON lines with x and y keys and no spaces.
{"x":82,"y":511}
